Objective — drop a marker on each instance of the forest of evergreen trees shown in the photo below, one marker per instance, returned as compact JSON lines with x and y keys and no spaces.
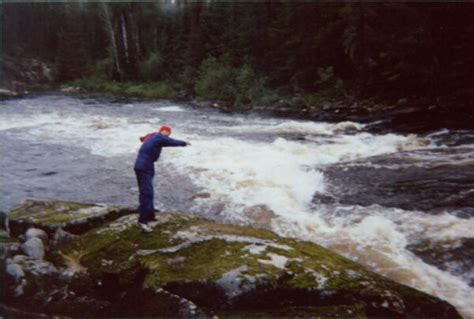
{"x":254,"y":51}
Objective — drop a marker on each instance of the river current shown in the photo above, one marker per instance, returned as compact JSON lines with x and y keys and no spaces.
{"x":402,"y":204}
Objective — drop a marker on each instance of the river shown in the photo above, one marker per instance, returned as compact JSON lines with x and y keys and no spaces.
{"x":400,"y":203}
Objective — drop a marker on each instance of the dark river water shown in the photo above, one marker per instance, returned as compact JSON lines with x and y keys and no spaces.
{"x":400,"y":203}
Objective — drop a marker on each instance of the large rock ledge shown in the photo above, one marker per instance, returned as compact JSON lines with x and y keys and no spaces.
{"x":76,"y":218}
{"x":186,"y":267}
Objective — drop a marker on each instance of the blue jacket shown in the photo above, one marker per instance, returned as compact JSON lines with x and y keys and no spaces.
{"x":151,"y":149}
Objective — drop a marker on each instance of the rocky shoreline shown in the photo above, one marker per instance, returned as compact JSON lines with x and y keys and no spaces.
{"x":407,"y":114}
{"x":75,"y":259}
{"x":23,"y":76}
{"x":402,"y":117}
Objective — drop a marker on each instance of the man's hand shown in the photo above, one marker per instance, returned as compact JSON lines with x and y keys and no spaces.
{"x":188,"y":143}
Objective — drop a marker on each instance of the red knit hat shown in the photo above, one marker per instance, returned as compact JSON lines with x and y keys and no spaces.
{"x":165,"y":128}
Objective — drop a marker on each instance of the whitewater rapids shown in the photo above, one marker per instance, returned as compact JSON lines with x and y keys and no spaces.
{"x":248,"y":169}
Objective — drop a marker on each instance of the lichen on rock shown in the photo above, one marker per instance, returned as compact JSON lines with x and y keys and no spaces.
{"x":189,"y":266}
{"x":225,"y":269}
{"x":53,"y":214}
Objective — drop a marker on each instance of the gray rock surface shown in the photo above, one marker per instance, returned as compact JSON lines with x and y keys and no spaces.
{"x":36,"y":268}
{"x":7,"y":93}
{"x":34,"y":248}
{"x":61,"y":238}
{"x":36,"y":233}
{"x":192,"y":267}
{"x":15,"y":271}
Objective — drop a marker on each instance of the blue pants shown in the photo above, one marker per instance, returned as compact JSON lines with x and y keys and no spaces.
{"x":145,"y":186}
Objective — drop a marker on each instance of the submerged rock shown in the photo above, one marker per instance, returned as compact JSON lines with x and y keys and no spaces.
{"x":260,"y":216}
{"x":192,"y":267}
{"x":452,"y":255}
{"x":348,"y":126}
{"x":71,"y":89}
{"x":7,"y":93}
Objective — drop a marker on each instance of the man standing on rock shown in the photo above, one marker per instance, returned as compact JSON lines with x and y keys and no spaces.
{"x":145,"y":171}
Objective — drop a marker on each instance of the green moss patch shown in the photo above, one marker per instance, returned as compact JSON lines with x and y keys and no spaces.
{"x":48,"y":211}
{"x":205,"y":261}
{"x":50,"y":215}
{"x":220,"y":269}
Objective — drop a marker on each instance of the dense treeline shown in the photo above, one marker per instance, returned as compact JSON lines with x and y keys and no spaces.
{"x":249,"y":52}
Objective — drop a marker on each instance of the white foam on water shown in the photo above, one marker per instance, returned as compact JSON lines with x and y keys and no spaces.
{"x":19,"y":121}
{"x":280,"y":175}
{"x":378,"y":237}
{"x":301,"y":127}
{"x":443,"y":131}
{"x":171,"y":108}
{"x":102,"y":135}
{"x":283,"y":176}
{"x":247,"y":174}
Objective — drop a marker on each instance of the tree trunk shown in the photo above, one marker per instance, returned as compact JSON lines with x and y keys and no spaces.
{"x":134,"y":32}
{"x":362,"y":47}
{"x":124,"y":37}
{"x":110,"y":30}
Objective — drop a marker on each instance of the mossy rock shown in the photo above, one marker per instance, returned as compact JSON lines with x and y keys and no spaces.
{"x":73,"y":217}
{"x":230,"y":270}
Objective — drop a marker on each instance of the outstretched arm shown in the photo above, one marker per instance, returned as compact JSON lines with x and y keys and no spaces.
{"x":168,"y":141}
